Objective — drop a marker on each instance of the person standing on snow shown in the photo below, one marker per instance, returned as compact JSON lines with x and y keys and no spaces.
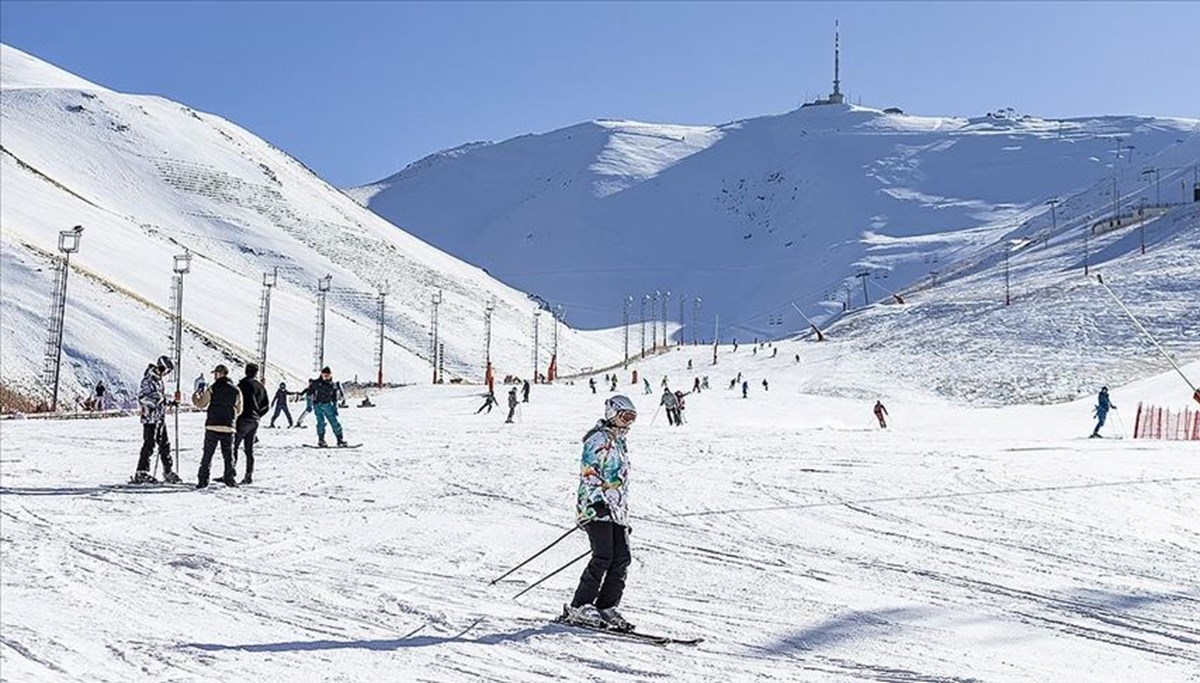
{"x":308,"y":403}
{"x":766,"y":387}
{"x":100,"y":389}
{"x":324,"y":394}
{"x":254,"y":406}
{"x":679,"y":407}
{"x":646,"y":384}
{"x":695,"y":385}
{"x":592,"y":383}
{"x":280,"y":401}
{"x":152,"y":401}
{"x":613,"y":387}
{"x":222,"y":402}
{"x":1101,"y":411}
{"x":602,"y":510}
{"x":512,"y":405}
{"x":745,"y":388}
{"x":525,"y":392}
{"x":669,"y":402}
{"x":880,"y":412}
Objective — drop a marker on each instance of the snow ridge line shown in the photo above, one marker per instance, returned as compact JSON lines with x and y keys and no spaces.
{"x":931,"y":496}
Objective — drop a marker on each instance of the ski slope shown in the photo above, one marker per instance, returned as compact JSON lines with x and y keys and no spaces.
{"x":751,"y":215}
{"x":149,"y":178}
{"x":802,"y":542}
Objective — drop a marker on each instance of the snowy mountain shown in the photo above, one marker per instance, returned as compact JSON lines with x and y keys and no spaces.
{"x":149,"y":178}
{"x":755,"y":215}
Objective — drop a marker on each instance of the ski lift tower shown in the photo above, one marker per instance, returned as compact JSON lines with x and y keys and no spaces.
{"x":487,"y":344}
{"x":537,"y":315}
{"x":383,"y":292}
{"x":323,"y":286}
{"x":264,"y":322}
{"x":436,"y":300}
{"x":68,"y":243}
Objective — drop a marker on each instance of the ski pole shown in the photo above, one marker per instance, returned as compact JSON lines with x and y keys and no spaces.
{"x":157,"y":434}
{"x":535,"y":556}
{"x":655,"y":414}
{"x":556,"y":571}
{"x":1195,"y":391}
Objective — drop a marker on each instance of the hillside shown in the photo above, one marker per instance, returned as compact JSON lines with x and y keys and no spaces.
{"x":149,"y":178}
{"x":755,"y":215}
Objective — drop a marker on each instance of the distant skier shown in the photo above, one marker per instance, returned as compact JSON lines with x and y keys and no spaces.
{"x":880,"y":412}
{"x":490,"y":400}
{"x":222,"y":402}
{"x":613,"y":386}
{"x":689,"y":364}
{"x":100,"y":391}
{"x":704,"y":383}
{"x":308,"y":403}
{"x":797,"y":358}
{"x":1103,"y":404}
{"x":512,"y":404}
{"x":152,"y":401}
{"x":766,"y":387}
{"x":592,"y":384}
{"x":774,"y":352}
{"x":669,"y":402}
{"x":646,"y":384}
{"x":679,"y":406}
{"x":324,"y":395}
{"x":525,"y":392}
{"x":664,"y":382}
{"x":696,"y":385}
{"x":745,"y":389}
{"x":280,"y":402}
{"x":254,"y":405}
{"x":601,"y":508}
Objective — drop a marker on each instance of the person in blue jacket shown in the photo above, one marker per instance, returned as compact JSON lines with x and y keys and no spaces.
{"x":1103,"y":404}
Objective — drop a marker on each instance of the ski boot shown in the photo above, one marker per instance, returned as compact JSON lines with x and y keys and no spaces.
{"x":321,"y":443}
{"x":230,"y":481}
{"x":247,"y":479}
{"x":342,"y":443}
{"x":614,"y":621}
{"x":583,"y":615}
{"x":171,"y":478}
{"x":143,"y":477}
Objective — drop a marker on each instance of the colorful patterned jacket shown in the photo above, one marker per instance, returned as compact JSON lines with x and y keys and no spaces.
{"x":604,"y":475}
{"x":152,"y":397}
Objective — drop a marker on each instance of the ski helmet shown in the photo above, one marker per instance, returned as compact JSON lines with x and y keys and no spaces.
{"x":616,"y":405}
{"x":165,"y":365}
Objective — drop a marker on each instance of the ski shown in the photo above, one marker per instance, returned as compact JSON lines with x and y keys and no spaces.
{"x":651,"y":638}
{"x":334,"y":447}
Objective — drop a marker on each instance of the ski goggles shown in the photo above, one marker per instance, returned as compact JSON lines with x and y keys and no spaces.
{"x":625,"y":417}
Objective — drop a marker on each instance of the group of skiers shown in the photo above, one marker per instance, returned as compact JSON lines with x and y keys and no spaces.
{"x":232,"y":414}
{"x":489,"y":400}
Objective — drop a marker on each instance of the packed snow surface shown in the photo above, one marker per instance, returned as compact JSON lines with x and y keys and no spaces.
{"x":799,"y":539}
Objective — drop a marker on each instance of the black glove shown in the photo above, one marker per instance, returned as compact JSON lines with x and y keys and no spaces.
{"x":600,"y":508}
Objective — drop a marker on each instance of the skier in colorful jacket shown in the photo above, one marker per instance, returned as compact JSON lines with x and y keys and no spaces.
{"x":602,"y":509}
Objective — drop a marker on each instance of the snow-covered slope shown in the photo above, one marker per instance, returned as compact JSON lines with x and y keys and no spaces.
{"x":148,"y":178}
{"x":754,"y":214}
{"x":801,"y":541}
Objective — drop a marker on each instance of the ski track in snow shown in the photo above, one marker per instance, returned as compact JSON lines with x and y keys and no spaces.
{"x":799,"y":541}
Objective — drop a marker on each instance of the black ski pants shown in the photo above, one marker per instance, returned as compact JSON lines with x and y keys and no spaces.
{"x":245,"y":434}
{"x":155,"y":434}
{"x":211,"y":440}
{"x":281,"y":407}
{"x":603,"y":579}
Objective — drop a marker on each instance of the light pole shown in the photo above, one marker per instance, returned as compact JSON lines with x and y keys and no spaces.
{"x":1087,"y":231}
{"x":1053,"y":217}
{"x":863,"y":276}
{"x":654,"y":321}
{"x":537,"y":315}
{"x":487,"y":343}
{"x":182,"y":265}
{"x":645,"y":300}
{"x":625,"y":319}
{"x":264,"y":321}
{"x":383,"y":292}
{"x":695,"y":318}
{"x":324,"y":284}
{"x":666,"y":298}
{"x":68,"y":243}
{"x":556,"y":316}
{"x":436,"y":300}
{"x":682,"y":324}
{"x":1157,"y":187}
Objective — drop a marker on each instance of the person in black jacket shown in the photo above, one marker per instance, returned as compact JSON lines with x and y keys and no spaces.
{"x":254,"y":406}
{"x":223,"y":403}
{"x":280,"y":402}
{"x":324,"y":394}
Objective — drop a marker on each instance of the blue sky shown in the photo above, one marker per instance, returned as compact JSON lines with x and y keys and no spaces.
{"x":358,"y":90}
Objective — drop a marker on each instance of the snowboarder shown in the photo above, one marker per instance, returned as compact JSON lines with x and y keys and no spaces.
{"x":592,"y":384}
{"x":488,"y":402}
{"x":324,"y":394}
{"x":512,"y":405}
{"x":100,"y":389}
{"x":669,"y":402}
{"x":880,"y":412}
{"x":745,"y":388}
{"x":152,"y":400}
{"x":308,"y":403}
{"x":646,"y":384}
{"x":1101,"y":411}
{"x":254,"y":406}
{"x":222,"y":402}
{"x":280,"y":401}
{"x":601,"y":509}
{"x":525,"y":392}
